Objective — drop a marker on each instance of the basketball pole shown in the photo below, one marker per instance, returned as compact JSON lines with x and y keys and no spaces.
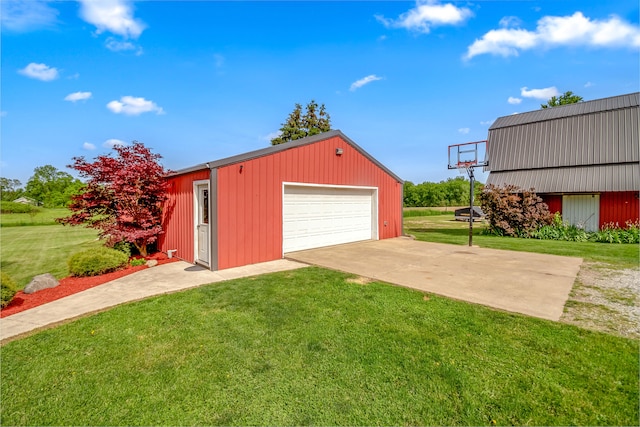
{"x":472,"y":182}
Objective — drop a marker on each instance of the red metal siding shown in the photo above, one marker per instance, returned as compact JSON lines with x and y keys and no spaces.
{"x":177,"y":219}
{"x":554,"y":201}
{"x":619,"y":207}
{"x":250,"y":198}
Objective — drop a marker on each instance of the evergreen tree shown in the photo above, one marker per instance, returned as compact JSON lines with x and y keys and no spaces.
{"x":315,"y":120}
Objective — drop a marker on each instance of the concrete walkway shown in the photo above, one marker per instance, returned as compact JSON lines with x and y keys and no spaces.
{"x":163,"y":279}
{"x":522,"y":282}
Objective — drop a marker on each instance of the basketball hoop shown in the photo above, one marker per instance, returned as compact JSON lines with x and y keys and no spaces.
{"x":464,"y":157}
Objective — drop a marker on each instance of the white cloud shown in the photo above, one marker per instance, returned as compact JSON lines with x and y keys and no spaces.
{"x":110,"y":143}
{"x":78,"y":96}
{"x":486,"y":122}
{"x":510,"y":21}
{"x":118,"y":46}
{"x":555,"y":31}
{"x":464,"y":131}
{"x":133,"y":106}
{"x":544,"y":94}
{"x":363,"y":81}
{"x":514,"y":100}
{"x":272,"y":135}
{"x":26,"y":15}
{"x":88,"y":146}
{"x":114,"y":16}
{"x":40,"y":72}
{"x":219,"y":60}
{"x":588,"y":84}
{"x":427,"y":14}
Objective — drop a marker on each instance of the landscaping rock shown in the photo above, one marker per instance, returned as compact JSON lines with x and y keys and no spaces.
{"x":152,"y":263}
{"x":41,"y":281}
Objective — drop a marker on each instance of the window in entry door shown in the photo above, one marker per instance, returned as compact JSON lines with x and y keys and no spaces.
{"x":205,"y":206}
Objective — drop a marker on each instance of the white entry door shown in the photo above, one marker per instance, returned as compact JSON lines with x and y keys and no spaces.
{"x":314,"y":216}
{"x":202,"y":223}
{"x":582,"y":210}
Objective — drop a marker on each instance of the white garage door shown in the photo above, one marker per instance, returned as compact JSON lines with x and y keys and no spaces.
{"x":313,"y":217}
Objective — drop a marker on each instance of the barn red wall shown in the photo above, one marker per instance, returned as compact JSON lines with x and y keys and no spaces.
{"x":177,"y":221}
{"x":250,"y":201}
{"x":619,"y":207}
{"x":554,"y":201}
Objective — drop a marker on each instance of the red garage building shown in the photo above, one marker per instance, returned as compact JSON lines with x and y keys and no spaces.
{"x":317,"y":191}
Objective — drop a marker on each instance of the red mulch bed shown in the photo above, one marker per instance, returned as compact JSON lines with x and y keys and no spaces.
{"x":72,"y":285}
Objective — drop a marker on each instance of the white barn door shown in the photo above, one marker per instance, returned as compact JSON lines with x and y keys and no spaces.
{"x":582,"y":210}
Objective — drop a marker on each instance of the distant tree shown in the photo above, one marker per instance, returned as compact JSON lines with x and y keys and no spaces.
{"x":10,"y":189}
{"x":51,"y":187}
{"x":564,"y":99}
{"x":451,"y":192}
{"x":316,"y":120}
{"x":123,"y":196}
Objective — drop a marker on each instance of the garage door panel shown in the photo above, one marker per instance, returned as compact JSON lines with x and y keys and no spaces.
{"x":323,"y":216}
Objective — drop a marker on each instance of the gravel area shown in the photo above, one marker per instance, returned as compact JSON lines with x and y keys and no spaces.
{"x":605,"y":300}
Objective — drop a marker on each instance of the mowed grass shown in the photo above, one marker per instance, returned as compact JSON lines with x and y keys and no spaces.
{"x":27,"y":251}
{"x":42,"y":217}
{"x":444,"y":229}
{"x":309,"y":348}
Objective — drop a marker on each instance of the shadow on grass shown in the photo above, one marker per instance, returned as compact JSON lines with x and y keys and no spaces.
{"x":445,"y":231}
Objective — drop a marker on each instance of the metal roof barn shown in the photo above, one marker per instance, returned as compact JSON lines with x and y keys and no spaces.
{"x":317,"y":191}
{"x":590,"y":147}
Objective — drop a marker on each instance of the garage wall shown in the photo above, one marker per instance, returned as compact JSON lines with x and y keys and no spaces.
{"x":249,"y":196}
{"x":178,"y":215}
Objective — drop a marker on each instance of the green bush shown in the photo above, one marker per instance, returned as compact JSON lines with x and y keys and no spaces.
{"x":610,"y":233}
{"x":96,"y":261}
{"x":137,"y":261}
{"x":124,"y":247}
{"x":8,"y":290}
{"x":13,"y":207}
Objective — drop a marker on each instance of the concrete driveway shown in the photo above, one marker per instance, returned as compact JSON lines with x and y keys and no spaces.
{"x":522,"y":282}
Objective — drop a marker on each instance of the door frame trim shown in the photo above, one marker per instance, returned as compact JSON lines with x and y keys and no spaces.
{"x":196,"y":212}
{"x":375,"y":226}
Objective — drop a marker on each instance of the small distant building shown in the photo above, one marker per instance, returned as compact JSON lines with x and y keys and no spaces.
{"x":582,"y":159}
{"x":25,"y":201}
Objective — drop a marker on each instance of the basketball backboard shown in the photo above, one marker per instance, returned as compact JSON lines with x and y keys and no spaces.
{"x":467,"y":155}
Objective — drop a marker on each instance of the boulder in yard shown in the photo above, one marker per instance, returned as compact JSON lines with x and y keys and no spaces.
{"x":152,"y":263}
{"x":41,"y":281}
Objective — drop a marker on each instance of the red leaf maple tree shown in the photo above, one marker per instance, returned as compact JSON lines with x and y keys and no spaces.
{"x":123,"y":196}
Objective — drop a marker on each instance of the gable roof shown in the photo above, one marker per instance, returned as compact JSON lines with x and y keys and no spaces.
{"x":282,"y":147}
{"x":588,"y":146}
{"x":580,"y":108}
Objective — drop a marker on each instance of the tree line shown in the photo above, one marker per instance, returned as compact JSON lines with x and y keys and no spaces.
{"x":48,"y":187}
{"x":451,"y":192}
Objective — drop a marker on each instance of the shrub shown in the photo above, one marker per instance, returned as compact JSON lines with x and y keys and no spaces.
{"x":96,"y":261}
{"x":609,"y":233}
{"x":7,"y":291}
{"x":13,"y":207}
{"x":513,"y":211}
{"x":613,"y":233}
{"x":124,"y":247}
{"x":137,"y":261}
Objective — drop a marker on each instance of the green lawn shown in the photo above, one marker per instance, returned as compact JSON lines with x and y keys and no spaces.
{"x":43,"y":217}
{"x":308,"y":347}
{"x":26,"y":251}
{"x":443,"y":229}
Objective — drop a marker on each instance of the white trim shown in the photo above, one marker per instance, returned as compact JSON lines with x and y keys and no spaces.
{"x":196,"y":207}
{"x":375,"y":226}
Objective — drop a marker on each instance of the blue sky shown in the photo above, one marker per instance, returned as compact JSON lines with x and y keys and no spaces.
{"x":202,"y":80}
